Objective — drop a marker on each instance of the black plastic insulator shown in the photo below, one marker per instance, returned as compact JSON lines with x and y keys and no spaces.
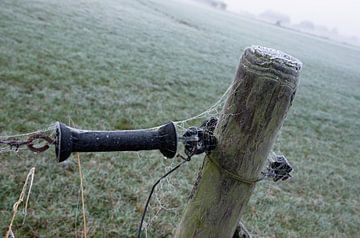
{"x":70,"y":140}
{"x":198,"y":140}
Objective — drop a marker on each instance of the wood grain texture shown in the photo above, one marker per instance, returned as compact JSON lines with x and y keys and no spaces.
{"x":261,"y":94}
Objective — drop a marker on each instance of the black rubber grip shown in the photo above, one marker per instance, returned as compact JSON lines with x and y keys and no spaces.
{"x":70,"y":140}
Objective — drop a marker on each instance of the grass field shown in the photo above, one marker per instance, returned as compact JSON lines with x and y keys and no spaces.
{"x":134,"y":64}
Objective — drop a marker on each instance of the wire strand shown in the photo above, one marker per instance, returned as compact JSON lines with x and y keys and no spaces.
{"x":151,"y":193}
{"x":82,"y":195}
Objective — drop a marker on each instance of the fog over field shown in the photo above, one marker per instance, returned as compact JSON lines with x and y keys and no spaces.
{"x":340,"y":17}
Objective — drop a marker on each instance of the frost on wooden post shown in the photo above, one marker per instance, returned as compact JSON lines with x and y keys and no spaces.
{"x":259,"y":99}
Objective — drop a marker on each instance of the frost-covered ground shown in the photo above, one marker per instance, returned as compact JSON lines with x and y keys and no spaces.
{"x":131,"y":64}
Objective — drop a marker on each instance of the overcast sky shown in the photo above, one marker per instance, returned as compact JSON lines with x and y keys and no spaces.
{"x":342,"y":14}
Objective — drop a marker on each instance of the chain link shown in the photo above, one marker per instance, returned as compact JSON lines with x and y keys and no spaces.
{"x":30,"y":143}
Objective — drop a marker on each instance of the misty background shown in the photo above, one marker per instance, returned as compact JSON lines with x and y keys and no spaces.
{"x":337,"y":20}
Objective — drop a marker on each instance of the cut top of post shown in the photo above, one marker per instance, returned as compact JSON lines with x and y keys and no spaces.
{"x":267,"y":61}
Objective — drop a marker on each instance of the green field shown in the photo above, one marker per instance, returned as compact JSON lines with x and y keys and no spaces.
{"x":135,"y":64}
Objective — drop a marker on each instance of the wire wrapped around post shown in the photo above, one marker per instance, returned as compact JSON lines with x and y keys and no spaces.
{"x":260,"y":97}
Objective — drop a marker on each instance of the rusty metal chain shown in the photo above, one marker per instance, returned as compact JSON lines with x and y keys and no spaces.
{"x":15,"y":144}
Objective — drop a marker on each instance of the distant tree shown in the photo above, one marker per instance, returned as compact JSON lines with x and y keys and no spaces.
{"x":308,"y":25}
{"x":335,"y":31}
{"x":220,"y":4}
{"x":275,"y":17}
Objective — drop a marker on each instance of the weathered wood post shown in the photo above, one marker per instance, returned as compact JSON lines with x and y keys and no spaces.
{"x":260,"y":97}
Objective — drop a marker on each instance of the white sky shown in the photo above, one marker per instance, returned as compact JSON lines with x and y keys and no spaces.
{"x":342,"y":14}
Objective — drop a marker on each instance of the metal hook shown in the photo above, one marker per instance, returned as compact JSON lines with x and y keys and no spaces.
{"x":40,"y":149}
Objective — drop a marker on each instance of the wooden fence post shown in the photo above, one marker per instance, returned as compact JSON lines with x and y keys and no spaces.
{"x":261,"y":94}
